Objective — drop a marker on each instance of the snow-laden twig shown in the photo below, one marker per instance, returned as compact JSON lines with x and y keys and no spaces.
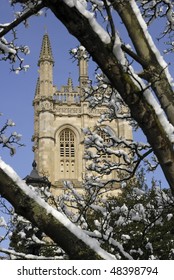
{"x":16,"y":255}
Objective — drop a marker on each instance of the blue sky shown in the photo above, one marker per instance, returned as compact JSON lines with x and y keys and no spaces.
{"x":17,"y":91}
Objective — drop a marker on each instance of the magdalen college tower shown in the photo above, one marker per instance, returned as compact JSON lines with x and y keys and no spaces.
{"x":59,"y":116}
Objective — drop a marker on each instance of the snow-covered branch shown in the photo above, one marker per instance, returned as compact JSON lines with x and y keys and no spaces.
{"x":55,"y":225}
{"x":105,"y":152}
{"x":11,"y":140}
{"x":127,"y":224}
{"x":16,"y":255}
{"x":8,"y":49}
{"x":25,"y":14}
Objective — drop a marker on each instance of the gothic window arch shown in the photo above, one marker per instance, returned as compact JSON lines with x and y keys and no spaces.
{"x":67,"y":153}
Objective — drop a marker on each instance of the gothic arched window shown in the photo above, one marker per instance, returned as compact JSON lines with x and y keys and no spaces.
{"x":67,"y":144}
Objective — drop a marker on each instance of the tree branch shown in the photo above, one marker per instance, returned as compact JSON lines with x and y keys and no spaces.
{"x":66,"y":235}
{"x":133,"y":55}
{"x":20,"y":19}
{"x":146,"y":51}
{"x":143,"y":113}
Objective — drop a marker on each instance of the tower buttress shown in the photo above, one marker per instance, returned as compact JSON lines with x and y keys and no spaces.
{"x":43,"y":109}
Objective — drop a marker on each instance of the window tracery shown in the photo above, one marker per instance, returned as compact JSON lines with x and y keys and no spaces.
{"x":67,"y":142}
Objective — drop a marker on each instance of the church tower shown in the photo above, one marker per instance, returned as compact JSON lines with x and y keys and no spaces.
{"x":59,"y":116}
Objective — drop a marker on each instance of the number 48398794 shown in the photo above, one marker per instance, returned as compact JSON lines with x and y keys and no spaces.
{"x":138,"y":270}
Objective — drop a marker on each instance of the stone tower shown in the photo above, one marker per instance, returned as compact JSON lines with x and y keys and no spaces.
{"x":59,"y":116}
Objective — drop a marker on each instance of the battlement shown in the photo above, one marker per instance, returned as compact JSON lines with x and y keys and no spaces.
{"x":67,"y":97}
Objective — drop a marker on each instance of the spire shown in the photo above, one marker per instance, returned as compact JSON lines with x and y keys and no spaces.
{"x":70,"y":82}
{"x":45,"y":63}
{"x":46,"y":51}
{"x":37,"y":91}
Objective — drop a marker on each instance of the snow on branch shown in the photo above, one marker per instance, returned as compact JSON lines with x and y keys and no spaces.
{"x":152,"y":10}
{"x":9,"y":141}
{"x":160,"y":9}
{"x":150,"y":40}
{"x":8,"y":48}
{"x":145,"y":89}
{"x":15,"y":184}
{"x":125,"y":223}
{"x":105,"y":153}
{"x":81,"y":6}
{"x":16,"y":255}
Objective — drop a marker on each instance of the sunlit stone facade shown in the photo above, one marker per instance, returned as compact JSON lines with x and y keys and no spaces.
{"x":59,"y":116}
